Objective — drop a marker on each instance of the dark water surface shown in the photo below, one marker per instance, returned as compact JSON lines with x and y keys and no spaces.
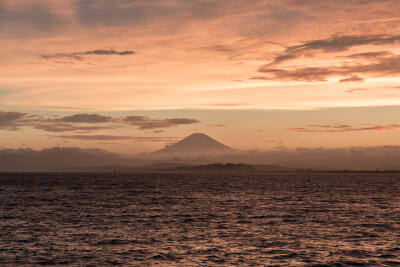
{"x":200,"y":220}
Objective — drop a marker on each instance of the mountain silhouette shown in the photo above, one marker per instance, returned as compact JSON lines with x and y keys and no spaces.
{"x":197,"y":143}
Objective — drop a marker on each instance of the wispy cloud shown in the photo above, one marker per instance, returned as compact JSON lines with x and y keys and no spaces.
{"x":80,"y":55}
{"x":374,"y":63}
{"x":118,"y":138}
{"x":95,"y":137}
{"x":57,"y":126}
{"x":370,"y":55}
{"x":87,"y":118}
{"x":11,"y":120}
{"x":333,"y":45}
{"x":380,"y":67}
{"x":357,"y":90}
{"x":352,"y":79}
{"x":146,"y":123}
{"x":336,"y":128}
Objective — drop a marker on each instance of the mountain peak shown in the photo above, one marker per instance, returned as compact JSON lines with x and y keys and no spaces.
{"x":194,"y":144}
{"x":198,"y":137}
{"x":198,"y":134}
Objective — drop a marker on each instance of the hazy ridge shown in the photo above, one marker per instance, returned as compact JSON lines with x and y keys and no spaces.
{"x":196,"y":151}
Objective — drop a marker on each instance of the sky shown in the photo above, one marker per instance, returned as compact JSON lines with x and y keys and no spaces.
{"x":133,"y":76}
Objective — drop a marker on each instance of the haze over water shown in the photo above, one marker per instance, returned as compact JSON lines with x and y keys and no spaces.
{"x":276,"y":219}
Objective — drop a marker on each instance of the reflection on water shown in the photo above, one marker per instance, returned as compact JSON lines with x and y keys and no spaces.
{"x":188,"y":220}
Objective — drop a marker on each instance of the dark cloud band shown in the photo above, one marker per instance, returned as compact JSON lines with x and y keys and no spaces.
{"x":86,"y":123}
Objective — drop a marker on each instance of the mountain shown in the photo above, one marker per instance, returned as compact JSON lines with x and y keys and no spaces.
{"x":195,"y":144}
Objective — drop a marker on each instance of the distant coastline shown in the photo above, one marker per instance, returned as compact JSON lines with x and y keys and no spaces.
{"x":231,"y":168}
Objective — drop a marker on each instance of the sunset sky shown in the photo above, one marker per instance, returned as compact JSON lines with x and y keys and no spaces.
{"x":131,"y":76}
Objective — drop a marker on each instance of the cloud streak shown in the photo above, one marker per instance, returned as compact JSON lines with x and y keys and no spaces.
{"x":60,"y":127}
{"x":80,"y":55}
{"x":358,"y":90}
{"x":336,"y":128}
{"x":88,"y":118}
{"x":146,"y":123}
{"x":373,"y":64}
{"x":118,"y":138}
{"x":352,"y":79}
{"x":334,"y":44}
{"x":379,"y":67}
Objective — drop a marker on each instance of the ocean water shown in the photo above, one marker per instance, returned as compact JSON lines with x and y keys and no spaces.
{"x":286,"y":219}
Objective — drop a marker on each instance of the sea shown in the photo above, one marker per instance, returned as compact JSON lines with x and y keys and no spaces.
{"x":269,"y":219}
